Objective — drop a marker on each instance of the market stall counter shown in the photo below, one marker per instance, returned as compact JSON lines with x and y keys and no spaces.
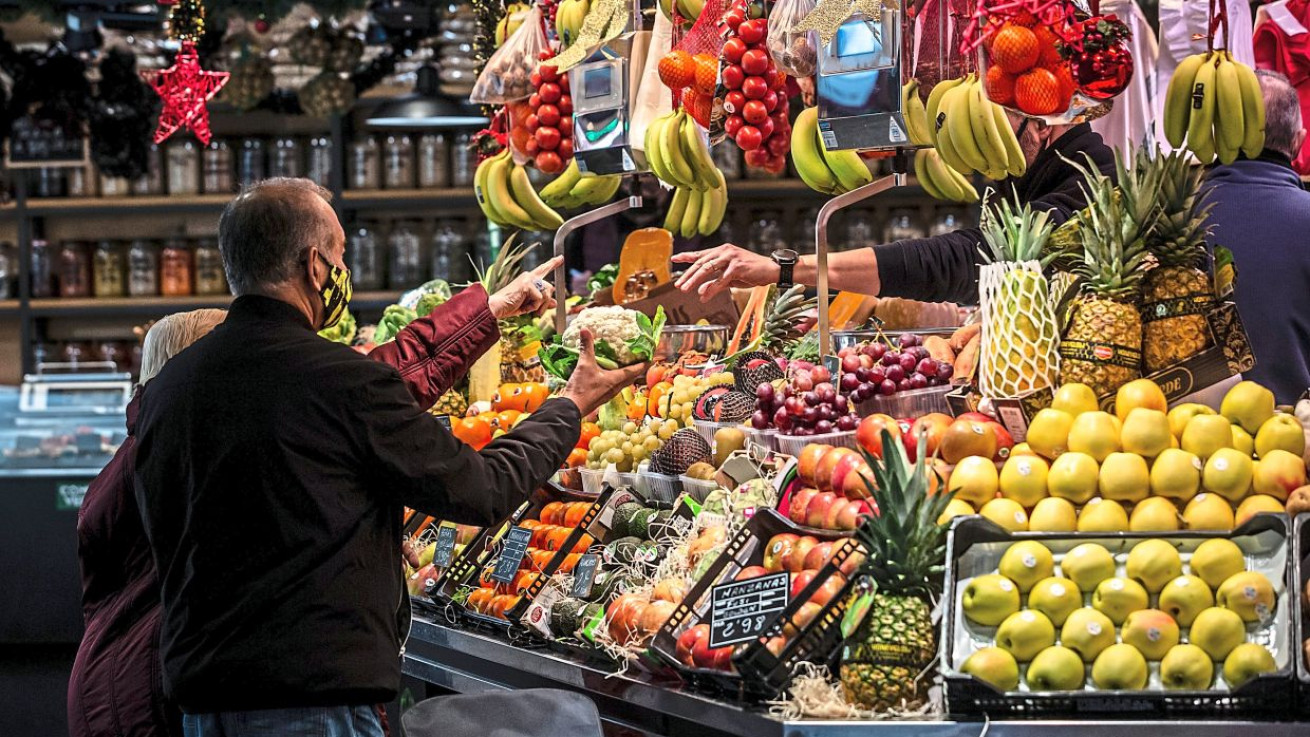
{"x":452,"y":659}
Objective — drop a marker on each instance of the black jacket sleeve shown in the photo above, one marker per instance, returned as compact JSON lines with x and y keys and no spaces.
{"x":944,"y":268}
{"x":425,"y":467}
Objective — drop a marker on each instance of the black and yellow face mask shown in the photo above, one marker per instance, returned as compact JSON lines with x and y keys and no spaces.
{"x":336,"y":294}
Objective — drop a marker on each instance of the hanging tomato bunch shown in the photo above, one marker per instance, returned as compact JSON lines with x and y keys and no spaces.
{"x":755,"y":103}
{"x":551,"y":120}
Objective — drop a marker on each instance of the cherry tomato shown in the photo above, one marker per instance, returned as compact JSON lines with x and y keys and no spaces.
{"x":733,"y":76}
{"x":770,"y":100}
{"x":753,"y":31}
{"x":734,"y":19}
{"x":550,"y":93}
{"x":733,"y":48}
{"x":532,"y":123}
{"x":754,"y":112}
{"x":757,"y":158}
{"x":779,"y":145}
{"x":549,"y":162}
{"x":565,"y":149}
{"x":549,"y":115}
{"x":748,"y":138}
{"x":754,"y":88}
{"x":548,"y":72}
{"x":534,"y":101}
{"x":755,"y":61}
{"x":566,"y":106}
{"x":734,"y":101}
{"x":547,"y":138}
{"x":766,"y":127}
{"x":535,"y":79}
{"x":732,"y":124}
{"x":530,"y":147}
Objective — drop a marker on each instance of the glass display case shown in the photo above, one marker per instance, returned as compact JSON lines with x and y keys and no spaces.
{"x":69,"y":438}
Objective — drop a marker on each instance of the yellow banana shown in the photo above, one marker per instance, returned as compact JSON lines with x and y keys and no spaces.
{"x":1230,"y":128}
{"x":1253,"y":111}
{"x":542,"y":216}
{"x":986,"y":132}
{"x":675,"y":157}
{"x":1200,"y":125}
{"x":595,"y":190}
{"x":916,"y":117}
{"x":483,"y":194}
{"x":1178,"y":99}
{"x":678,"y":206}
{"x":921,"y":173}
{"x":691,"y":216}
{"x":696,"y":153}
{"x":714,"y":203}
{"x":944,"y":179}
{"x":933,"y":109}
{"x":1016,"y":164}
{"x":498,"y":188}
{"x":946,"y":150}
{"x":968,"y":193}
{"x":655,"y":154}
{"x":556,"y":193}
{"x":805,"y":154}
{"x":956,"y":106}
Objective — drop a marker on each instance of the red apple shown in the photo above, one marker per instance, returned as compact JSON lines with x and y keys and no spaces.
{"x":869,"y":433}
{"x":800,"y":581}
{"x":829,"y":480}
{"x":829,"y":590}
{"x":801,"y":619}
{"x":775,"y":646}
{"x":688,"y":640}
{"x":777,"y":551}
{"x":935,"y":424}
{"x":818,"y":555}
{"x":817,"y":512}
{"x":1004,"y":441}
{"x":858,"y":481}
{"x":704,"y":656}
{"x":808,"y":462}
{"x":849,"y":514}
{"x":800,"y":502}
{"x":751,"y":572}
{"x":976,"y":417}
{"x":795,"y":560}
{"x":909,"y":441}
{"x":966,"y":438}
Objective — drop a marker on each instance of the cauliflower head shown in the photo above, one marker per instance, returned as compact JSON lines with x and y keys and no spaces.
{"x":614,"y":325}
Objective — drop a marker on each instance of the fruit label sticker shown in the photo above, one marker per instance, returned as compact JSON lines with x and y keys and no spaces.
{"x":740,"y":611}
{"x":1026,"y":469}
{"x":1116,"y":583}
{"x":1221,"y":464}
{"x":584,"y":575}
{"x":445,"y":549}
{"x":1029,"y":560}
{"x":1057,"y":590}
{"x":1005,"y":585}
{"x":1093,"y":628}
{"x":1153,"y":634}
{"x":511,"y":554}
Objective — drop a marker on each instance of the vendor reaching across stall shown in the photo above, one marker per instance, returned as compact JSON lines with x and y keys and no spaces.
{"x":272,"y":467}
{"x":942,"y":268}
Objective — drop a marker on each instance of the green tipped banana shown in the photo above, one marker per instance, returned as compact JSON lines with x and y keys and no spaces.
{"x":1230,"y":128}
{"x":849,"y":169}
{"x":654,"y":154}
{"x":916,"y":117}
{"x":597,"y":190}
{"x":697,"y":153}
{"x":1200,"y":125}
{"x":714,"y":203}
{"x":944,"y":179}
{"x":1253,"y":111}
{"x":1178,"y":99}
{"x":677,"y":208}
{"x":501,"y":196}
{"x":933,"y":108}
{"x":542,"y":216}
{"x":989,"y":136}
{"x":671,"y":147}
{"x":556,"y":193}
{"x":691,"y":216}
{"x":946,"y":151}
{"x":805,"y":154}
{"x":480,"y":191}
{"x":1016,"y":164}
{"x":956,"y":106}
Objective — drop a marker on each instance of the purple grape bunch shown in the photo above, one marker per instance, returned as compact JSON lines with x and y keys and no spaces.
{"x":808,"y":403}
{"x":877,"y":369}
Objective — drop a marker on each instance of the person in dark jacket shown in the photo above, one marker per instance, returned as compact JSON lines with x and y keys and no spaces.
{"x":272,"y":468}
{"x":943,"y":268}
{"x":116,"y":687}
{"x":1262,"y":214}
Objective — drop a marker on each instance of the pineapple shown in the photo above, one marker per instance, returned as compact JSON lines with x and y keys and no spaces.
{"x":1020,"y":333}
{"x":1102,"y":346}
{"x":1176,"y":293}
{"x":453,"y":402}
{"x":516,"y":354}
{"x":886,"y":657}
{"x":784,"y":320}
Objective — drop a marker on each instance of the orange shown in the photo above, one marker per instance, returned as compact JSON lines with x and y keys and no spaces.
{"x":1038,"y":92}
{"x":552,"y":513}
{"x":1015,"y":49}
{"x":677,"y":70}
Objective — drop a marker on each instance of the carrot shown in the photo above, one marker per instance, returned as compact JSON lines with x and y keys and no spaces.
{"x":761,"y":309}
{"x":747,"y":317}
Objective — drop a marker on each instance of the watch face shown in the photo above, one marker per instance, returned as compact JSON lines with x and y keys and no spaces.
{"x":785,"y":256}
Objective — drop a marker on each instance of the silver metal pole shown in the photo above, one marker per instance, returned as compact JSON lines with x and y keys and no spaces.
{"x":570,"y":225}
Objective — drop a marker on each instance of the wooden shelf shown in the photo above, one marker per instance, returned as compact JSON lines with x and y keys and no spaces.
{"x":138,"y":306}
{"x":44,"y":207}
{"x":8,"y":306}
{"x":394,"y":199}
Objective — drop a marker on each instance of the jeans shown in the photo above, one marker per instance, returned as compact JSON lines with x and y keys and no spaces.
{"x":325,"y":721}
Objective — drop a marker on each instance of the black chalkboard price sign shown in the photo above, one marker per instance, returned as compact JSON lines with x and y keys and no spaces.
{"x":584,"y":575}
{"x":445,"y":549}
{"x":741,"y":610}
{"x":511,"y":554}
{"x":36,"y":142}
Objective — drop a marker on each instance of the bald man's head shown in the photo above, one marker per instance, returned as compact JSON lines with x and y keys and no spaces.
{"x":1284,"y":130}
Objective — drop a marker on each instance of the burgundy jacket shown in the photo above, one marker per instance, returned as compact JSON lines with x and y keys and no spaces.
{"x":116,"y":688}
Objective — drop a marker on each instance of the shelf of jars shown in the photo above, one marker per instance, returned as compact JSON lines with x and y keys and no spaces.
{"x":145,"y":306}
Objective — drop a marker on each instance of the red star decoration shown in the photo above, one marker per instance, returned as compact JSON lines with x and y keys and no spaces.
{"x":185,"y":88}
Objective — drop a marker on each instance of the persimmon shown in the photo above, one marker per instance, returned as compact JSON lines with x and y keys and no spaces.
{"x":590,"y":430}
{"x":473,"y":431}
{"x":553,"y":513}
{"x":574,"y":512}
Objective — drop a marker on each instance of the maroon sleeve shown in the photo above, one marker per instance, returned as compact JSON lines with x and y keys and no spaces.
{"x":434,"y":352}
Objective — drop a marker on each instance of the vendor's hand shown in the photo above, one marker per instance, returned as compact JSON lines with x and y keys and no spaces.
{"x":591,"y":386}
{"x":529,"y":293}
{"x":715,"y":269}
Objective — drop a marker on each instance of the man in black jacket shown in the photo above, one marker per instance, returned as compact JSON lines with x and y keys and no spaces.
{"x":943,"y":268}
{"x":272,"y":469}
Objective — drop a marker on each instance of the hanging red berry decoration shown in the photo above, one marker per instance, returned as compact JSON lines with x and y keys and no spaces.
{"x":1102,"y":64}
{"x":184,"y":87}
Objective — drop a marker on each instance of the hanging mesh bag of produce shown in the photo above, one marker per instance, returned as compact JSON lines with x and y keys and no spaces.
{"x":508,"y":73}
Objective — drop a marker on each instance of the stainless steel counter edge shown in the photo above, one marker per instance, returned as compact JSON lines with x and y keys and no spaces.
{"x":466,"y":661}
{"x":50,"y":473}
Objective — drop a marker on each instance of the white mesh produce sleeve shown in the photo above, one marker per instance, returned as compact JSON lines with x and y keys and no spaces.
{"x":1020,"y":338}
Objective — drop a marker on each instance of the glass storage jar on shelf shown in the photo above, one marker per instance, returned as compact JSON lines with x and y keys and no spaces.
{"x":74,"y":270}
{"x":398,"y":162}
{"x":183,"y":166}
{"x":142,"y":269}
{"x":320,"y":161}
{"x":450,"y":252}
{"x":728,"y":159}
{"x":284,"y":159}
{"x":364,"y":257}
{"x":251,"y":164}
{"x":49,"y":182}
{"x":216,"y":167}
{"x":175,"y":269}
{"x":463,"y":161}
{"x":766,"y":234}
{"x":111,"y":186}
{"x":209,"y":276}
{"x":859,"y":232}
{"x":8,"y":271}
{"x":902,"y":225}
{"x":81,"y":181}
{"x":405,"y":251}
{"x":947,"y":221}
{"x":433,"y":161}
{"x":152,"y":182}
{"x":42,"y":269}
{"x":364,"y":167}
{"x":109,"y":273}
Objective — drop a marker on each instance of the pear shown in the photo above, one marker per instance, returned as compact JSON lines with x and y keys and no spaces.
{"x":1248,"y":404}
{"x":1256,"y":504}
{"x":1280,"y":432}
{"x":1145,"y":432}
{"x":1154,"y":514}
{"x":1245,"y":662}
{"x":1056,"y":669}
{"x":1124,"y":477}
{"x":989,"y":599}
{"x":1073,"y":476}
{"x":1048,"y":433}
{"x":1206,"y":434}
{"x":1151,"y":631}
{"x":1103,"y":515}
{"x":1209,"y":512}
{"x":1025,"y":563}
{"x":955,"y":508}
{"x":1087,"y":565}
{"x":1075,"y":399}
{"x":1116,"y":598}
{"x":1228,"y":473}
{"x":1007,"y":513}
{"x":1278,"y":474}
{"x":1120,"y":668}
{"x":1055,"y":597}
{"x":1087,"y":632}
{"x":1053,"y":514}
{"x":1096,"y":434}
{"x":1153,"y":563}
{"x":1186,"y":668}
{"x":1215,"y":560}
{"x":1024,"y":634}
{"x":1248,"y":593}
{"x":1023,"y":479}
{"x":1176,"y":474}
{"x":974,"y":480}
{"x":994,"y":666}
{"x":1182,"y":414}
{"x":1243,"y":441}
{"x":1185,"y":597}
{"x":1217,"y":631}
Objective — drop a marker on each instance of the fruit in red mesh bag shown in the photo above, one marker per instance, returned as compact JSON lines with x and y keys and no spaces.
{"x":707,"y":73}
{"x":550,"y":121}
{"x":1015,"y":49}
{"x":1000,"y":86}
{"x":1048,"y":46}
{"x":749,"y":138}
{"x":1067,"y":84}
{"x":677,"y":70}
{"x":698,"y":106}
{"x":733,"y":49}
{"x":1024,"y":18}
{"x":1038,"y":92}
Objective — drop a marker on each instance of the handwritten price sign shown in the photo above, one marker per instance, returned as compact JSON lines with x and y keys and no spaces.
{"x":741,"y":610}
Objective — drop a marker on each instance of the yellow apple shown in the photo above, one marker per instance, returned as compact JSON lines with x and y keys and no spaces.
{"x":1153,"y":563}
{"x":1245,"y":662}
{"x":989,"y":599}
{"x":1053,"y":514}
{"x":1096,"y":434}
{"x":1243,"y":441}
{"x":1120,"y":668}
{"x":1087,"y":632}
{"x":1023,"y":479}
{"x":1024,"y":634}
{"x":1228,"y":473}
{"x":1176,"y":474}
{"x":1256,"y":504}
{"x":1248,"y":593}
{"x":955,"y":508}
{"x":1007,"y":513}
{"x":1154,"y":514}
{"x":1248,"y":404}
{"x":1185,"y":597}
{"x":1124,"y":477}
{"x":1215,"y":560}
{"x":1182,"y":414}
{"x":1209,"y":512}
{"x":1056,"y":669}
{"x":994,"y":666}
{"x":1151,"y":631}
{"x":1055,"y":597}
{"x":1280,"y":432}
{"x":974,"y":480}
{"x":1073,"y":476}
{"x":1048,"y":433}
{"x":1087,"y":565}
{"x":1139,"y":393}
{"x":1103,"y":515}
{"x":1186,"y":668}
{"x":1025,"y":563}
{"x":1206,"y":434}
{"x":1217,"y":631}
{"x":1116,"y":598}
{"x":1075,"y":399}
{"x":1145,"y":432}
{"x":1278,"y":473}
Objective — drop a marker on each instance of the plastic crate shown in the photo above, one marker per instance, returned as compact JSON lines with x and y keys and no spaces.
{"x":1267,"y":695}
{"x":767,"y":439}
{"x":707,"y":428}
{"x":1301,"y":613}
{"x":593,"y":481}
{"x":415,"y":523}
{"x":912,"y":403}
{"x":793,"y":444}
{"x":745,"y":549}
{"x":658,"y":487}
{"x":698,"y":489}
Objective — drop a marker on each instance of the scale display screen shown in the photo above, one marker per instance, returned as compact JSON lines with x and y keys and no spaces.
{"x":598,"y":83}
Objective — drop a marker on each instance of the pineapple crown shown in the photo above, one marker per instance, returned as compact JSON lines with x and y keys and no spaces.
{"x":1178,"y":238}
{"x":1015,"y":233}
{"x":504,"y":267}
{"x":1114,"y":227}
{"x":906,"y":546}
{"x":784,"y":323}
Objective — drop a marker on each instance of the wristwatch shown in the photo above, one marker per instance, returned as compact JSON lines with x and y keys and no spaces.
{"x":785,"y":258}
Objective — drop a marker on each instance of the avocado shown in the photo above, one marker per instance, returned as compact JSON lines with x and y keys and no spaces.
{"x":661,"y":527}
{"x":623,"y":515}
{"x":639,"y":525}
{"x":564,"y":616}
{"x":620,"y":551}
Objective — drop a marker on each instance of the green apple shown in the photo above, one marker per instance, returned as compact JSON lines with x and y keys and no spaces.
{"x":1215,"y":560}
{"x":1087,"y":565}
{"x":1153,"y":563}
{"x":1125,"y":477}
{"x":1055,"y":597}
{"x":1248,"y":593}
{"x":1243,"y":441}
{"x":1185,"y":597}
{"x":1151,"y":631}
{"x":989,"y":599}
{"x":1026,"y":563}
{"x":1228,"y":473}
{"x":1116,"y":598}
{"x":1056,"y":669}
{"x":1245,"y":662}
{"x":1176,"y":474}
{"x":1024,"y":634}
{"x":1248,"y":404}
{"x":995,"y":666}
{"x":1186,"y":667}
{"x":1217,"y":631}
{"x":1120,"y":668}
{"x":1087,"y":632}
{"x":1280,"y":432}
{"x":1182,"y":414}
{"x":1073,"y":476}
{"x":1146,"y":432}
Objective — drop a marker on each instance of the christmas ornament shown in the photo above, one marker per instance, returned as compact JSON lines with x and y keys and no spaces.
{"x":186,"y":21}
{"x":184,"y":89}
{"x":1100,"y":60}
